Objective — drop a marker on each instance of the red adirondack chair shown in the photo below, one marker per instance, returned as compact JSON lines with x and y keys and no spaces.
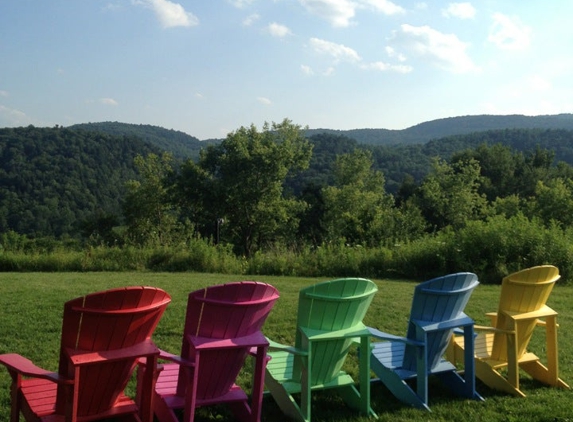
{"x":103,"y":336}
{"x":222,"y":326}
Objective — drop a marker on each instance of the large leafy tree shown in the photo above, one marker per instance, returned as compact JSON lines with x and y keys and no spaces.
{"x":241,"y":182}
{"x":449,"y":195}
{"x":357,"y":206}
{"x":150,"y":217}
{"x":553,"y":202}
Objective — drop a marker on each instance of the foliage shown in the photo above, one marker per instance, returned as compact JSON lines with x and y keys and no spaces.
{"x":491,"y":248}
{"x":452,"y":126}
{"x":241,"y":183}
{"x":52,"y":181}
{"x":449,"y":195}
{"x":150,"y":216}
{"x":273,"y":201}
{"x":355,"y":207}
{"x":181,"y":145}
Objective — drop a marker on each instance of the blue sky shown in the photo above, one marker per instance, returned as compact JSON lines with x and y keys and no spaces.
{"x":208,"y":67}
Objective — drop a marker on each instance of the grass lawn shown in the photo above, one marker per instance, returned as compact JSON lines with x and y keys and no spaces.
{"x":30,"y":324}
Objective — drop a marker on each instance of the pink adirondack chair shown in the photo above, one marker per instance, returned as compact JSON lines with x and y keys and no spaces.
{"x":222,"y":326}
{"x":103,"y":336}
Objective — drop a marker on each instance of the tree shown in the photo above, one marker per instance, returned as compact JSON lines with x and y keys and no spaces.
{"x":150,"y":216}
{"x":356,"y":206}
{"x":498,"y":167}
{"x":449,"y":195}
{"x":241,"y":180}
{"x":553,"y":202}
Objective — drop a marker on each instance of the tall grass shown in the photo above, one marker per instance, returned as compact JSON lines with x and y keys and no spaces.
{"x":32,"y":305}
{"x":491,"y":249}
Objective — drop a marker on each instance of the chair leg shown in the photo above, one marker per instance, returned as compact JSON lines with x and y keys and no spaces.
{"x":493,"y":379}
{"x":284,"y":400}
{"x":541,"y":373}
{"x":163,"y":412}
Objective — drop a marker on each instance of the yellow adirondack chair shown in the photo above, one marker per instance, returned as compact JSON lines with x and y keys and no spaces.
{"x":329,"y":321}
{"x":501,"y":350}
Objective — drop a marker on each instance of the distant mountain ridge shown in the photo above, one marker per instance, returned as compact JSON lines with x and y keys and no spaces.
{"x":440,"y":128}
{"x":180,"y":144}
{"x":183,"y":145}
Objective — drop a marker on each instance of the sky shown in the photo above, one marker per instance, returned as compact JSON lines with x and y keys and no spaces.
{"x":209,"y":67}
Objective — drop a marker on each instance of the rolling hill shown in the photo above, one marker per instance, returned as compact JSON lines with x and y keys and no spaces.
{"x":440,"y":128}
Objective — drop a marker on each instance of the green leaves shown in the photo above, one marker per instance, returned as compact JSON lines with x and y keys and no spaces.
{"x":241,"y":180}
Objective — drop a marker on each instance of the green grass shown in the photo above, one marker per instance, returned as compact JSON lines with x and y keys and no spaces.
{"x":30,"y":324}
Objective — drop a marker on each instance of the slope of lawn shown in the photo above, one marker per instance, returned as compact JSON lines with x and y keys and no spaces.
{"x":30,"y":324}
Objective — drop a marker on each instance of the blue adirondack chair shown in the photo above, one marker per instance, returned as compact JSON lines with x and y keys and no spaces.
{"x":437,"y":309}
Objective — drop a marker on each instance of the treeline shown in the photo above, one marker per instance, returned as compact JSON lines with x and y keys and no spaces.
{"x":273,"y":201}
{"x":52,"y":181}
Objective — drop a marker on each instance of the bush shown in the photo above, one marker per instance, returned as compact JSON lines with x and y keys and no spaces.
{"x":491,"y":249}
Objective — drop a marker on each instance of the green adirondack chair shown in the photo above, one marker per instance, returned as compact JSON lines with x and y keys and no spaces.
{"x":329,"y":322}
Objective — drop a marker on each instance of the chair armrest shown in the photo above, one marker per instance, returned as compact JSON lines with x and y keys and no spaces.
{"x":81,"y":357}
{"x":205,"y":343}
{"x":462,"y":321}
{"x":273,"y":345}
{"x":20,"y":365}
{"x":359,"y":330}
{"x":170,"y":357}
{"x":483,"y":328}
{"x":545,"y":311}
{"x":390,"y":337}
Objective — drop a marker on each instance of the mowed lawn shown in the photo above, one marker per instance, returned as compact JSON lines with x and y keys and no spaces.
{"x":30,"y":324}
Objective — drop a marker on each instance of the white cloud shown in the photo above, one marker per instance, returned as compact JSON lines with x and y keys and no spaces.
{"x":443,"y":50}
{"x":240,"y":4}
{"x":460,"y":10}
{"x":264,"y":100}
{"x":307,"y":70}
{"x":199,"y":95}
{"x":4,"y":93}
{"x":329,"y":71}
{"x":385,"y":6}
{"x":108,"y":101}
{"x":341,"y":12}
{"x":338,"y":12}
{"x":392,"y":53}
{"x":385,"y":67}
{"x":12,"y":117}
{"x":509,"y":33}
{"x":278,"y":30}
{"x":337,"y":51}
{"x":251,"y":19}
{"x":170,"y":14}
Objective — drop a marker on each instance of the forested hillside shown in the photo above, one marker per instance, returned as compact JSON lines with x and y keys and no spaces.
{"x":180,"y":144}
{"x":440,"y":128}
{"x":54,"y":179}
{"x":400,"y":161}
{"x":484,"y":202}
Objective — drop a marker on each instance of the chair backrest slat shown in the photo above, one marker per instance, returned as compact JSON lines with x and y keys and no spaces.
{"x":524,"y":291}
{"x":332,"y":305}
{"x":438,"y":300}
{"x":105,"y":321}
{"x":224,"y":311}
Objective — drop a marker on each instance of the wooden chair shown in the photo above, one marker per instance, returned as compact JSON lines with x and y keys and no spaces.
{"x":329,"y":321}
{"x":222,"y":326}
{"x":501,"y":350}
{"x":103,"y":336}
{"x":437,"y":309}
